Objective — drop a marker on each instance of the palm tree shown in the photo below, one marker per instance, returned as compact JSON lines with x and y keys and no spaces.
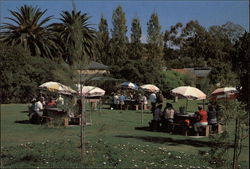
{"x":29,"y":32}
{"x":75,"y":33}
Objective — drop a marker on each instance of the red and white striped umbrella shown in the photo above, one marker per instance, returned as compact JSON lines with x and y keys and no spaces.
{"x":150,"y":88}
{"x":224,"y":93}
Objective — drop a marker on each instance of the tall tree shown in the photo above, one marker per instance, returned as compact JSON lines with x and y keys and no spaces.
{"x":68,"y":32}
{"x":241,"y":62}
{"x":118,"y":44}
{"x":136,"y":31}
{"x":102,"y":42}
{"x":136,"y":49}
{"x":154,"y":39}
{"x":29,"y":32}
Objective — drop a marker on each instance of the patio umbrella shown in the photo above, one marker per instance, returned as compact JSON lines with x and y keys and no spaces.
{"x":57,"y":87}
{"x":191,"y":93}
{"x":90,"y":91}
{"x":129,"y":85}
{"x":150,"y":88}
{"x":224,"y":93}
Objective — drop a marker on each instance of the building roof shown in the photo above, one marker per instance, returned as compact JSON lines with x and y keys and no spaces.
{"x":96,"y":66}
{"x":198,"y":72}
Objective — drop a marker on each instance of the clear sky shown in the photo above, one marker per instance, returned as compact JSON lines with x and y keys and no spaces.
{"x":208,"y":13}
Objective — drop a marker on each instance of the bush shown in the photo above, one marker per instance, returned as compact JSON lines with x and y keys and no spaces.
{"x":21,"y":74}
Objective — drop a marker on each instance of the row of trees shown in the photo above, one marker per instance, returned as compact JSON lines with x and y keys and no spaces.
{"x":189,"y":45}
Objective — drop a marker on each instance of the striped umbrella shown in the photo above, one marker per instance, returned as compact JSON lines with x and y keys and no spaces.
{"x":224,"y":93}
{"x":57,"y":87}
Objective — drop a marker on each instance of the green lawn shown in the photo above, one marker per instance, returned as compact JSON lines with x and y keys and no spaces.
{"x":112,"y":142}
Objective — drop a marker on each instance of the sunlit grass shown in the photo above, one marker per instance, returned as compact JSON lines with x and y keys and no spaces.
{"x":112,"y":142}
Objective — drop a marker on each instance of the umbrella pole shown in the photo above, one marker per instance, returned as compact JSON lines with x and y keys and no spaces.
{"x":142,"y":112}
{"x":186,"y":106}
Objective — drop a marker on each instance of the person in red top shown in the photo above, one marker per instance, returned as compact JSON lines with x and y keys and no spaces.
{"x":201,"y":119}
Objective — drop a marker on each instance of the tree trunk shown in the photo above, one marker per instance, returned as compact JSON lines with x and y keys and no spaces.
{"x":236,"y":143}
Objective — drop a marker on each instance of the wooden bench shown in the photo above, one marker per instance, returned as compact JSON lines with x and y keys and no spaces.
{"x":68,"y":120}
{"x":204,"y":130}
{"x":181,"y":128}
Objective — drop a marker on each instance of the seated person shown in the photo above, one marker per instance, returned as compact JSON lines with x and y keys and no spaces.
{"x":51,"y":103}
{"x":31,"y":108}
{"x":168,"y":113}
{"x":38,"y":111}
{"x":212,"y":117}
{"x":201,"y":118}
{"x":168,"y":116}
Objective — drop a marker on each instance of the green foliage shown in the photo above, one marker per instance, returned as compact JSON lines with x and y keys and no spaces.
{"x":221,"y":73}
{"x":30,"y":33}
{"x":229,"y":111}
{"x":240,"y":64}
{"x":172,"y":79}
{"x":155,"y":40}
{"x":138,"y":71}
{"x":75,"y":36}
{"x":22,"y":74}
{"x":136,"y":49}
{"x":118,"y":47}
{"x":136,"y":31}
{"x":102,"y":42}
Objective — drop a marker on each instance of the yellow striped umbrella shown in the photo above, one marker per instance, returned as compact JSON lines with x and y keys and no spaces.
{"x":57,"y":87}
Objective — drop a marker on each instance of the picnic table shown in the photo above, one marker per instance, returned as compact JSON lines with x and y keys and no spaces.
{"x":54,"y":112}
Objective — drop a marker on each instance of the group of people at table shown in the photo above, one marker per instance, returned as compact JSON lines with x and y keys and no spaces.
{"x":169,"y":116}
{"x":39,"y":105}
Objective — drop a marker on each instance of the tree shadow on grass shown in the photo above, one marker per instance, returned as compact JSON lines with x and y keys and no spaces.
{"x":24,"y":111}
{"x":170,"y":141}
{"x":23,"y":121}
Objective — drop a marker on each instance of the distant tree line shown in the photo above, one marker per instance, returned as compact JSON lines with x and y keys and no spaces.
{"x":223,"y":48}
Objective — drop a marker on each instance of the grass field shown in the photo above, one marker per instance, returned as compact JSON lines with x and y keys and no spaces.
{"x":112,"y":142}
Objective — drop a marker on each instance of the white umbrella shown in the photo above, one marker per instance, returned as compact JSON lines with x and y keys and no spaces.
{"x":150,"y":88}
{"x":190,"y":93}
{"x":57,"y":87}
{"x":90,"y":91}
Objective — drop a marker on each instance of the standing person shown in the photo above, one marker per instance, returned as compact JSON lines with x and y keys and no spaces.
{"x":122,"y":100}
{"x":160,"y":98}
{"x":116,"y":101}
{"x":155,"y":123}
{"x":212,"y":117}
{"x":152,"y":99}
{"x":60,"y":100}
{"x":201,"y":119}
{"x":145,"y":102}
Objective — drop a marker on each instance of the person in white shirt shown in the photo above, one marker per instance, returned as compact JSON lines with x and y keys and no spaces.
{"x":152,"y":99}
{"x":116,"y":100}
{"x":39,"y":106}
